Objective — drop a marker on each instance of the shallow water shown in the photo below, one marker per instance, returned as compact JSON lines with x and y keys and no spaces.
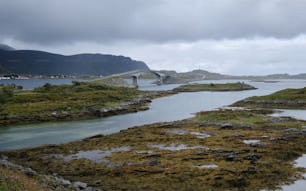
{"x":299,"y":185}
{"x":96,"y":156}
{"x":295,"y":113}
{"x":33,"y":83}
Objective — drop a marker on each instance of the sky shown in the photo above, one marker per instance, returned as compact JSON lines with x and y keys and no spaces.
{"x":237,"y":37}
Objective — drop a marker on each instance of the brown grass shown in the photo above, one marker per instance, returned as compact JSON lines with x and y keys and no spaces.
{"x":11,"y":180}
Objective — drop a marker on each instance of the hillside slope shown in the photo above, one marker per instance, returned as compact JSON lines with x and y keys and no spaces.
{"x":32,"y":62}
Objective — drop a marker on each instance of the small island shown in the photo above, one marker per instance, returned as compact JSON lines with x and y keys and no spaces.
{"x":239,"y":86}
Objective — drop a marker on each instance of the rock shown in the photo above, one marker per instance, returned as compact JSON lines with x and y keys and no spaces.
{"x":65,"y":182}
{"x":230,"y":157}
{"x":29,"y":172}
{"x":295,"y":131}
{"x":153,"y":162}
{"x":237,"y":134}
{"x":65,"y":113}
{"x":3,"y":157}
{"x":255,"y":143}
{"x":227,"y":126}
{"x":80,"y":185}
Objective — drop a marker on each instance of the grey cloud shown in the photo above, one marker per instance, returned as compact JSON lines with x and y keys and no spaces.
{"x":62,"y":21}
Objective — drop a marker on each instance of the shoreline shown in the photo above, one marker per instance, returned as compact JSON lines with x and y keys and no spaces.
{"x":138,"y":104}
{"x":229,"y":153}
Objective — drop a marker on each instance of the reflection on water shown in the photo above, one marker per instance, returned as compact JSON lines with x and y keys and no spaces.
{"x":33,"y":83}
{"x":298,"y":185}
{"x":176,"y":107}
{"x":295,"y":113}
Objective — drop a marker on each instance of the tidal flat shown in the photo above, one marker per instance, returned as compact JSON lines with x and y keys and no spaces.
{"x":215,"y":150}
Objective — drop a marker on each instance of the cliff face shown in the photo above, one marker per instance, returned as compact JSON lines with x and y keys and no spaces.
{"x":33,"y":62}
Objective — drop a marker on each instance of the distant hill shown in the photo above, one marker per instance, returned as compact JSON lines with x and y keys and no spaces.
{"x":198,"y":75}
{"x":32,"y":62}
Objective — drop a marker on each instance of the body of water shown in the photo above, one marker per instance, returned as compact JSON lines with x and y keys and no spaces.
{"x":295,"y":113}
{"x":33,"y":83}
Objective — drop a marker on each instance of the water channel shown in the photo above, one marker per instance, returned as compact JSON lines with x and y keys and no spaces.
{"x":171,"y":108}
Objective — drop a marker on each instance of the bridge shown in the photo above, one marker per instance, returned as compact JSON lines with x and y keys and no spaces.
{"x":161,"y":77}
{"x":135,"y":74}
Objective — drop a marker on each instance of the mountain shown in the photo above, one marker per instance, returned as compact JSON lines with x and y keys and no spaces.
{"x":172,"y":77}
{"x":32,"y":62}
{"x":5,"y":47}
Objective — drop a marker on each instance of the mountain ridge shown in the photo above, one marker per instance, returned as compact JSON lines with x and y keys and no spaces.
{"x":36,"y":62}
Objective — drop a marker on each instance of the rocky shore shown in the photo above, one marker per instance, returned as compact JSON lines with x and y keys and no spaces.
{"x":215,"y":150}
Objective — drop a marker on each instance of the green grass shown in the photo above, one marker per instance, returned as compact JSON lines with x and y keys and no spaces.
{"x":214,"y":87}
{"x":284,"y":99}
{"x":287,"y":94}
{"x":78,"y":97}
{"x":228,"y":116}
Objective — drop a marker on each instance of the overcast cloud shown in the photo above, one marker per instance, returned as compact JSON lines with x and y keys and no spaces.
{"x":226,"y":36}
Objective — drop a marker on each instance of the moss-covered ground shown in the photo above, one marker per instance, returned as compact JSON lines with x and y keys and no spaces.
{"x":286,"y":99}
{"x":11,"y":180}
{"x":65,"y":102}
{"x":214,"y":87}
{"x":215,"y":150}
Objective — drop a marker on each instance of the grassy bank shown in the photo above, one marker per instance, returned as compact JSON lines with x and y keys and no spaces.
{"x":11,"y":180}
{"x":286,"y":99}
{"x":66,"y":102}
{"x":214,"y":87}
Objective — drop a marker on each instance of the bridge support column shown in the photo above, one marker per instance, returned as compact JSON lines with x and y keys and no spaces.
{"x":135,"y":81}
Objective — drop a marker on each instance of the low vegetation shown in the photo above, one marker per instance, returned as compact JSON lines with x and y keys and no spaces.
{"x":288,"y":98}
{"x":216,"y":150}
{"x":214,"y":87}
{"x":11,"y":180}
{"x":56,"y":102}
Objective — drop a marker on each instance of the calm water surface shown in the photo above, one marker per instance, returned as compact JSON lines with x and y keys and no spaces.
{"x":33,"y":83}
{"x":170,"y":108}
